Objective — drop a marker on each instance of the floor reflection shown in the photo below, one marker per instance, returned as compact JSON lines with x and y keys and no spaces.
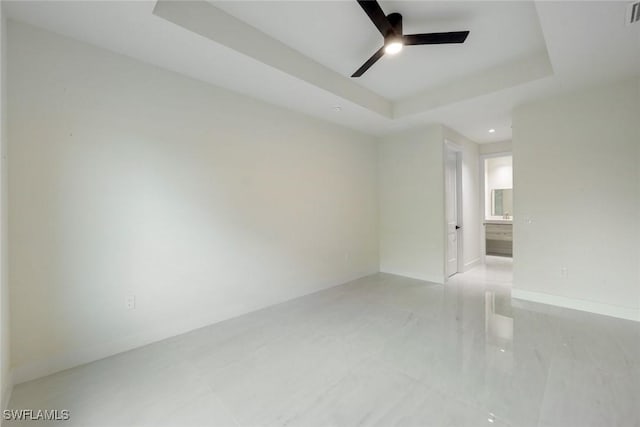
{"x":498,"y":327}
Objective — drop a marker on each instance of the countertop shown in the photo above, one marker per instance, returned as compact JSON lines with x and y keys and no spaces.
{"x":499,"y":221}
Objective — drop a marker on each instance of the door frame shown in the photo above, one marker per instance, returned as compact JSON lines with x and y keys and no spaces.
{"x":450,"y":146}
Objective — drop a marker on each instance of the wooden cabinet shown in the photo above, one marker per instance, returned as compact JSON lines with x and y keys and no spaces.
{"x":499,"y":239}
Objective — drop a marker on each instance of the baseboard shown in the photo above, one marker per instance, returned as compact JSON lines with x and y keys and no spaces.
{"x":62,"y":361}
{"x":473,"y":263}
{"x":432,"y":279}
{"x":578,"y":304}
{"x":70,"y":359}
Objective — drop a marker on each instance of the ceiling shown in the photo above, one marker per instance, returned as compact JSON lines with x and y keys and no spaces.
{"x":351,"y":38}
{"x":300,"y":54}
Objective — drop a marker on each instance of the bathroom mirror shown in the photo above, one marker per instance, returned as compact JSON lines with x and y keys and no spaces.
{"x":502,"y":202}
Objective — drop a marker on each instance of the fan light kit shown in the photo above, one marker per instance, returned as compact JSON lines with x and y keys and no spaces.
{"x":393,"y":48}
{"x":393,"y":45}
{"x":390,"y":26}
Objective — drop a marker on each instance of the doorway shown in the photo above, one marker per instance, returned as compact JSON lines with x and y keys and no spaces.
{"x":453,"y":208}
{"x":497,"y":206}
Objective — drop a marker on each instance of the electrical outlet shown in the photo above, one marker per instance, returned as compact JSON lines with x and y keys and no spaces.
{"x":564,"y":272}
{"x":130,"y":302}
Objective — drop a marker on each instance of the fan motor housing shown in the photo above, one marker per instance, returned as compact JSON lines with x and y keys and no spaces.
{"x":395,"y":19}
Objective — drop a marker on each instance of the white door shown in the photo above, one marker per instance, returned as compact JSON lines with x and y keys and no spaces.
{"x":451,"y":196}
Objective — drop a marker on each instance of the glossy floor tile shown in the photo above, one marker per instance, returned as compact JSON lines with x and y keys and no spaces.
{"x":380,"y":351}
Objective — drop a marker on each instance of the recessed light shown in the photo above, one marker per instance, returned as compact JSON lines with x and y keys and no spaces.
{"x":492,"y":130}
{"x":502,"y":350}
{"x":337,"y":108}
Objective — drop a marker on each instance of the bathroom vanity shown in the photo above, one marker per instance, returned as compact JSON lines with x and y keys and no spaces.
{"x":499,"y":238}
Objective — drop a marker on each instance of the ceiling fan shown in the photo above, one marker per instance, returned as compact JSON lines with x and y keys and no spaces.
{"x":390,"y":26}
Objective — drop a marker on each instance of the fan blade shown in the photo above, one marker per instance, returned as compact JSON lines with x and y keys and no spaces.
{"x":379,"y":54}
{"x":436,"y":38}
{"x":377,"y":16}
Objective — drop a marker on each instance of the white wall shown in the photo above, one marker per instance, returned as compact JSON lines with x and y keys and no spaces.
{"x":412,"y":218}
{"x":411,"y":177}
{"x":126,"y":179}
{"x":577,"y":179}
{"x":496,"y":147}
{"x":471,"y":220}
{"x":499,"y":172}
{"x":5,"y":373}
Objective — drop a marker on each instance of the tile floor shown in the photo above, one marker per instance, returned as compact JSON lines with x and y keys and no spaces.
{"x":383,"y":350}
